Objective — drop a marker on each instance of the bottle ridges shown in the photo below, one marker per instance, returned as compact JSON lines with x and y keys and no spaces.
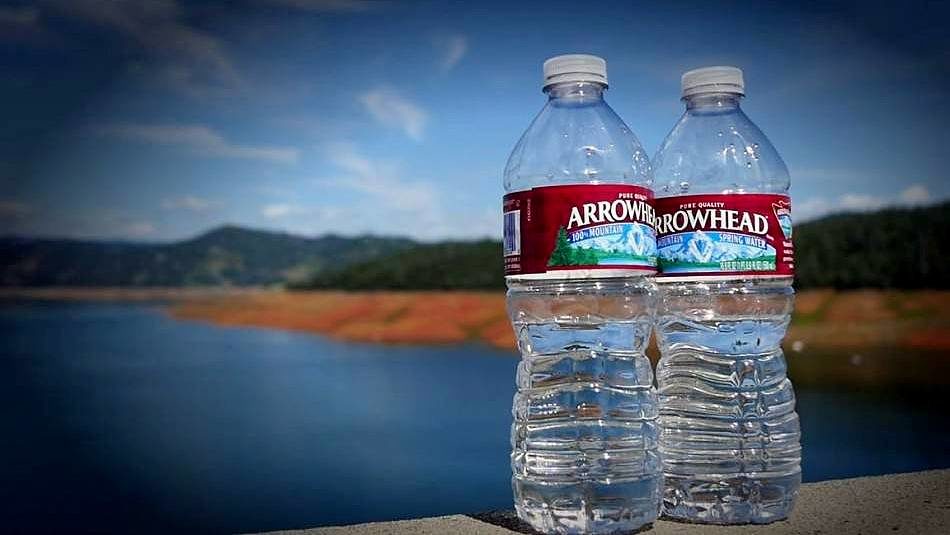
{"x":729,"y":434}
{"x":584,"y":439}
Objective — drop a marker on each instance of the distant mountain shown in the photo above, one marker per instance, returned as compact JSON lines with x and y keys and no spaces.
{"x":225,"y":256}
{"x":894,"y":248}
{"x":439,"y":266}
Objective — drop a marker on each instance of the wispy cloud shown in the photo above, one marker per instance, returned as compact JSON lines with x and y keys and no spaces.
{"x":188,"y":202}
{"x":379,"y":180}
{"x":187,"y":58}
{"x":198,"y":139}
{"x":104,"y":221}
{"x":329,"y":6}
{"x":914,"y":195}
{"x":279,"y":210}
{"x":451,"y":50}
{"x":139,"y":229}
{"x":109,"y":222}
{"x":14,"y":209}
{"x":388,"y":203}
{"x":395,"y":111}
{"x":858,"y":202}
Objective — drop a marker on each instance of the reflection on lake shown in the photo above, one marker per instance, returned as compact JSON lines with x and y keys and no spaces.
{"x":119,"y":418}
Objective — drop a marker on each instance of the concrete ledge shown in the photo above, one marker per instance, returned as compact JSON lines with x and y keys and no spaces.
{"x":913,"y":503}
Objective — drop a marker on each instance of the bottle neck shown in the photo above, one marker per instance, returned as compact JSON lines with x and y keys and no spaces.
{"x":575,"y":92}
{"x":713,"y":102}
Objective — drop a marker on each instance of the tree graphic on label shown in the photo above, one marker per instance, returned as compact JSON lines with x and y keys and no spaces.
{"x":564,"y":254}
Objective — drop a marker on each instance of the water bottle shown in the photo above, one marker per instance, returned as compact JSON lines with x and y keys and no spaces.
{"x":580,"y":252}
{"x":729,"y":434}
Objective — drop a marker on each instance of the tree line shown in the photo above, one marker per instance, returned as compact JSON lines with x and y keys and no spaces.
{"x":893,"y":248}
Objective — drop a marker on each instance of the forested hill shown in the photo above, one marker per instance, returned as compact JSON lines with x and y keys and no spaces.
{"x":440,"y":266}
{"x":225,"y":256}
{"x":895,"y":248}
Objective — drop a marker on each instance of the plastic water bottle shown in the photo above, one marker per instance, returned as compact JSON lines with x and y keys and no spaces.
{"x":580,"y":252}
{"x":729,"y":433}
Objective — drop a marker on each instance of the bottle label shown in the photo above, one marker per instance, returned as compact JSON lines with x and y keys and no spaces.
{"x":602,"y":230}
{"x":747,"y":234}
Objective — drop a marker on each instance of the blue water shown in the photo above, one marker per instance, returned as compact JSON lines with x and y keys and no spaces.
{"x":117,"y":418}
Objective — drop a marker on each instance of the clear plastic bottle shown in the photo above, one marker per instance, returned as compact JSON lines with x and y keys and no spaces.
{"x":729,"y":433}
{"x":580,"y":252}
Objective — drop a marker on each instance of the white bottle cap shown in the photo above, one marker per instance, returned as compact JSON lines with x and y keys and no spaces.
{"x":575,"y":68}
{"x":713,"y":80}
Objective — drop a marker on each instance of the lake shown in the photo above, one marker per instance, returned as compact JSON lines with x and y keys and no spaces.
{"x":118,"y":418}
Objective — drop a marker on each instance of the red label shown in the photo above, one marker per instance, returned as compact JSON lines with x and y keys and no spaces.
{"x":603,"y":227}
{"x":748,"y":234}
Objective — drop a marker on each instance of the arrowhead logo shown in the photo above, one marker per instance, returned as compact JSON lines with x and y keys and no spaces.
{"x":701,"y":247}
{"x":783,"y":212}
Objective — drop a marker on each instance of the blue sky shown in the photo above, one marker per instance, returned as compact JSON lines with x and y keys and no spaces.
{"x":159,"y":120}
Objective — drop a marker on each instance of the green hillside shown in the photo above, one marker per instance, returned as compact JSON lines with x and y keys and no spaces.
{"x":225,"y":256}
{"x":895,"y":248}
{"x":441,"y":266}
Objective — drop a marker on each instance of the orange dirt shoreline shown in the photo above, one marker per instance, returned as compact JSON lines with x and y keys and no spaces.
{"x":824,"y":319}
{"x":380,"y":317}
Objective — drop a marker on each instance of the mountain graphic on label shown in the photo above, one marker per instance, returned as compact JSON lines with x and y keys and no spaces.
{"x":635,"y":240}
{"x":701,"y":247}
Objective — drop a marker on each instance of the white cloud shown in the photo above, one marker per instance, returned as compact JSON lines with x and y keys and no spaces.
{"x":14,"y":209}
{"x":188,"y":202}
{"x":452,"y":49}
{"x":860,"y":202}
{"x":187,"y":59}
{"x":387,"y":203}
{"x":811,"y":209}
{"x":279,"y":210}
{"x":915,"y":195}
{"x":329,"y":6}
{"x":394,"y":111}
{"x":380,"y":180}
{"x":200,"y":140}
{"x":139,"y":229}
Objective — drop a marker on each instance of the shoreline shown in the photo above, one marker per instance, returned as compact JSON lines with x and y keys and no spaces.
{"x":386,"y":317}
{"x":824,"y":320}
{"x":857,"y":339}
{"x":121,"y":293}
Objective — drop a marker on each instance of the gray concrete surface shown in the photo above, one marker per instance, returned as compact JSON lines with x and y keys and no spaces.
{"x":459,"y":524}
{"x":913,"y":503}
